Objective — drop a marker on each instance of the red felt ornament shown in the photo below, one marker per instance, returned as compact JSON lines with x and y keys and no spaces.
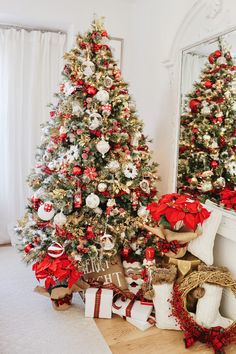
{"x":193,"y":105}
{"x":214,"y":163}
{"x":149,"y":253}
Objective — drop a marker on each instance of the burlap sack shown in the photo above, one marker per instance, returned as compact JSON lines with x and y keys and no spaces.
{"x":106,"y":271}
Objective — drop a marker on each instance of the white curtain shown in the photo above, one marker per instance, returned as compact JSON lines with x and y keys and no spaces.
{"x":30,"y":66}
{"x":192,"y":66}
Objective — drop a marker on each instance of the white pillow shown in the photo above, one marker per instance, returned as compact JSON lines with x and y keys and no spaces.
{"x":202,"y":246}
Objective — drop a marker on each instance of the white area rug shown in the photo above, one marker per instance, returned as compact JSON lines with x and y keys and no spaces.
{"x":29,"y":324}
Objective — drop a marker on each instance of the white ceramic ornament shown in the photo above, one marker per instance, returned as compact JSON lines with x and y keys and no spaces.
{"x":98,"y":211}
{"x":135,"y":139}
{"x":76,"y":108}
{"x":142,"y":212}
{"x":232,"y":168}
{"x":206,"y":109}
{"x":56,"y":250}
{"x":206,"y":186}
{"x":46,"y":211}
{"x":107,"y":242}
{"x":88,"y":68}
{"x":220,"y":182}
{"x":106,"y":109}
{"x":68,"y":89}
{"x":234,"y":106}
{"x":113,"y":166}
{"x":108,"y":82}
{"x":102,"y":187}
{"x":92,"y":201}
{"x":102,"y":96}
{"x":95,"y":120}
{"x":221,"y":60}
{"x":130,"y":170}
{"x":63,"y":130}
{"x":59,"y":219}
{"x":103,"y":147}
{"x":206,"y":137}
{"x":144,"y":185}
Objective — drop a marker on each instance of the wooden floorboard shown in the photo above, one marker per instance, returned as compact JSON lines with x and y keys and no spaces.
{"x":124,"y":338}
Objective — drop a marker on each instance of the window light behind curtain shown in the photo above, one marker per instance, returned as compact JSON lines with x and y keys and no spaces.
{"x":30,"y":66}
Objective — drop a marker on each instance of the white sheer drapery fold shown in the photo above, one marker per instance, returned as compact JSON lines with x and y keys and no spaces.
{"x":30,"y":66}
{"x":192,"y":66}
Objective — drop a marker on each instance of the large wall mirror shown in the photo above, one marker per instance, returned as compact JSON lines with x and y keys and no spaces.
{"x":207,"y":135}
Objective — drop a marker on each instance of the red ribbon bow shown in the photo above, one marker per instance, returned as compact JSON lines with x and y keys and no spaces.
{"x":214,"y":337}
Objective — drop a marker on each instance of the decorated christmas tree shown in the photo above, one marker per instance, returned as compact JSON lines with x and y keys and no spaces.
{"x":207,"y":162}
{"x":94,"y":176}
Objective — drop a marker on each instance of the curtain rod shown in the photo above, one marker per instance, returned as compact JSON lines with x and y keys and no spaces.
{"x":29,"y":29}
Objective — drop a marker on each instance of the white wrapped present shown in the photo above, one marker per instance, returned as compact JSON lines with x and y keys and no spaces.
{"x":143,"y":326}
{"x":98,"y":302}
{"x":132,"y":308}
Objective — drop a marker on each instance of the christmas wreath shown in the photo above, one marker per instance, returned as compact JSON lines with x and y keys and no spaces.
{"x":215,"y":337}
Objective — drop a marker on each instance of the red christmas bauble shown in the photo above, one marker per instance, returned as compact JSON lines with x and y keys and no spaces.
{"x":217,"y":54}
{"x":208,"y":84}
{"x":104,"y":34}
{"x":194,"y":130}
{"x":76,"y":170}
{"x":222,"y":141}
{"x":214,"y":163}
{"x":220,"y":119}
{"x":149,"y":253}
{"x":91,"y":90}
{"x":193,"y":105}
{"x":125,"y":252}
{"x":28,"y":247}
{"x":211,"y":59}
{"x":56,"y":250}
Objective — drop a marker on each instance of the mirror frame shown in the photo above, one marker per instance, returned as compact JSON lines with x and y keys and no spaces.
{"x":204,"y":22}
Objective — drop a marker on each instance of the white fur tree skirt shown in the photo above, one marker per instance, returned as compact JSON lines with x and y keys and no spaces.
{"x":29,"y":324}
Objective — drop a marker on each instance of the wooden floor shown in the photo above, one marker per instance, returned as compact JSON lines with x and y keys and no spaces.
{"x":124,"y":338}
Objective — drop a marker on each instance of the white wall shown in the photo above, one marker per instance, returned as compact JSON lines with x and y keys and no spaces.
{"x":148,"y":29}
{"x":154,"y":27}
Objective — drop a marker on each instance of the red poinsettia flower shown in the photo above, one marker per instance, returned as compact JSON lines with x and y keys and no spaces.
{"x":228,"y":198}
{"x":55,"y":270}
{"x":176,"y":207}
{"x":90,"y":172}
